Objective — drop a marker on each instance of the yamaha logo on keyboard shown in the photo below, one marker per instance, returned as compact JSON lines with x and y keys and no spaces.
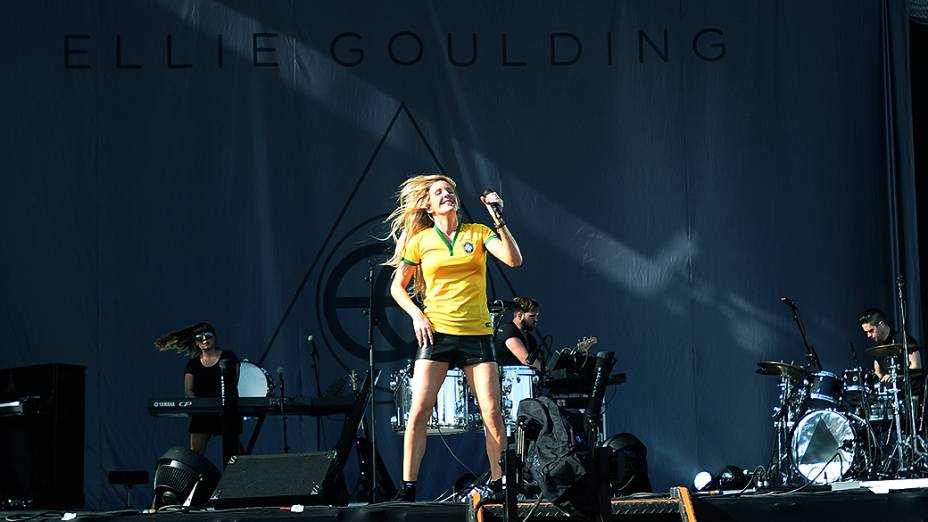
{"x":172,"y":404}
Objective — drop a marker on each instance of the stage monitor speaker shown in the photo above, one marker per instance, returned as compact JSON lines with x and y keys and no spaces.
{"x":281,"y":480}
{"x":42,"y":437}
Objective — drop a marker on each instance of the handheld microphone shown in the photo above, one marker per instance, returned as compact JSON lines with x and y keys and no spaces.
{"x":788,"y":302}
{"x":498,"y":212}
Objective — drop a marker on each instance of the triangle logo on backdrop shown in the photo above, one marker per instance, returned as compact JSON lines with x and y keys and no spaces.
{"x":341,"y":261}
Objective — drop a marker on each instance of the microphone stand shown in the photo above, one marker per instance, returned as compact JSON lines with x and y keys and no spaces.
{"x":811,"y":356}
{"x":496,"y":318}
{"x":315,"y":358}
{"x":371,"y":322}
{"x":229,"y":403}
{"x":283,"y":416}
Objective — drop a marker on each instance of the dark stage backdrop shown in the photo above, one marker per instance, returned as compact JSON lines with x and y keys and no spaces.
{"x":670,"y":170}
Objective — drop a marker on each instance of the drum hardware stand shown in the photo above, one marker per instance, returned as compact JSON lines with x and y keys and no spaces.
{"x":864,"y":408}
{"x":783,"y":421}
{"x":906,"y":446}
{"x":913,"y":442}
{"x":779,"y":414}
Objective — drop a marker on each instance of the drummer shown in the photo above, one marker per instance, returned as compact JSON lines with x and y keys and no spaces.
{"x":515,"y":343}
{"x":873,"y":322}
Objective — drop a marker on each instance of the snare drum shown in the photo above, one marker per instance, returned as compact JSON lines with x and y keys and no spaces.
{"x":517,"y":384}
{"x":455,"y":410}
{"x":824,"y":390}
{"x":254,"y":381}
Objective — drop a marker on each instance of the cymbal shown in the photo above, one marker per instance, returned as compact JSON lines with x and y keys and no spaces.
{"x":795,"y":371}
{"x":890,"y":349}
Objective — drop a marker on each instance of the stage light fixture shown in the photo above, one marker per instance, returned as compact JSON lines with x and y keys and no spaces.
{"x":702,"y":479}
{"x":726,"y":479}
{"x":628,"y":465}
{"x":181,"y":474}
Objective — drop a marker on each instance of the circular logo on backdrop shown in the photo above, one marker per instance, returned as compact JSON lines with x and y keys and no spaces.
{"x":469,"y":247}
{"x":345,"y":295}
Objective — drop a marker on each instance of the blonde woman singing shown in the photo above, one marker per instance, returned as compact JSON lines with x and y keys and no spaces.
{"x":447,"y":262}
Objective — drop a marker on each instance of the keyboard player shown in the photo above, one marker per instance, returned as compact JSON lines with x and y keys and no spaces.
{"x":202,"y":378}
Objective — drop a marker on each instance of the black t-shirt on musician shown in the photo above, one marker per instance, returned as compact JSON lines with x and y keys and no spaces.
{"x":504,"y":357}
{"x":206,"y":383}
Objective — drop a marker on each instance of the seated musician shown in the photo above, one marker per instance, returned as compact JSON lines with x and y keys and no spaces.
{"x":202,"y":377}
{"x":873,"y":322}
{"x":515,"y":343}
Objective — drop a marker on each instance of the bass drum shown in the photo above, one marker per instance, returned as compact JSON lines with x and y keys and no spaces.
{"x":254,"y":381}
{"x":828,"y":446}
{"x":455,"y":410}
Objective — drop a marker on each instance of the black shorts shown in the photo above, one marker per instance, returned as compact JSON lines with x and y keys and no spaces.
{"x":459,"y":350}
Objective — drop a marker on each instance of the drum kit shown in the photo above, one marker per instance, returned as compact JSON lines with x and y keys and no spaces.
{"x":456,"y":409}
{"x":831,"y":428}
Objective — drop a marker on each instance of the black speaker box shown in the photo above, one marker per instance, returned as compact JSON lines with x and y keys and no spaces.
{"x":42,"y":440}
{"x":281,"y":480}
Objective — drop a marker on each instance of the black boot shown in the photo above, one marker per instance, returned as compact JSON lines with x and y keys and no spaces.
{"x":407,"y":493}
{"x":495,"y":493}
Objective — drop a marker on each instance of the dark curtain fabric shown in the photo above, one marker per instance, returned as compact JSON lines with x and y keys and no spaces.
{"x":669,"y":169}
{"x":900,"y":153}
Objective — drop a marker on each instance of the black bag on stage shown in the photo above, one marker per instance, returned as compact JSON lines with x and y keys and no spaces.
{"x":557,"y":456}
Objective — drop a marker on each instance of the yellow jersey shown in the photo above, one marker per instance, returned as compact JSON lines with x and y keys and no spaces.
{"x":455,"y":274}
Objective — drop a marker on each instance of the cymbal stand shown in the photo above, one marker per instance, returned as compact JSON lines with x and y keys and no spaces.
{"x":899,"y":449}
{"x":783,"y":416}
{"x":916,"y":443}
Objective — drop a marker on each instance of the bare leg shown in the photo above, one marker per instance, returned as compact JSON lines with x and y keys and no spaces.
{"x":198,"y":442}
{"x":426,"y":381}
{"x":484,"y":382}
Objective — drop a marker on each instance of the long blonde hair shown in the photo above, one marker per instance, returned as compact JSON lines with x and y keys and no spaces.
{"x":409,"y":218}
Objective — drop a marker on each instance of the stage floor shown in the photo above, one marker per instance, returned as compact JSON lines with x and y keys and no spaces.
{"x":853,"y":504}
